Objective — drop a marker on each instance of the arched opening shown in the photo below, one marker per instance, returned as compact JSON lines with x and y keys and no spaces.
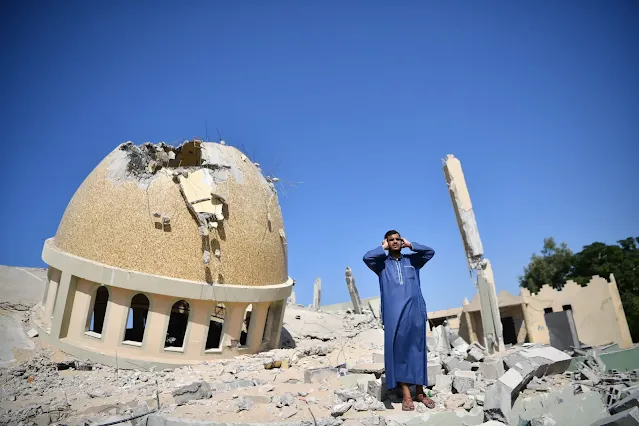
{"x":245,"y":324}
{"x":99,"y":310}
{"x":136,"y":320}
{"x":216,"y":326}
{"x":178,"y":321}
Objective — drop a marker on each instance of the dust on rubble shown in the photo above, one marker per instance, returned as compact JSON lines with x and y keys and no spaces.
{"x":330,"y":372}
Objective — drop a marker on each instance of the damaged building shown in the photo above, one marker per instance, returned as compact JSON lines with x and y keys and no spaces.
{"x":167,"y":256}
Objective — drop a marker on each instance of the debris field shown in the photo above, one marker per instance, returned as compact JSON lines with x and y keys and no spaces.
{"x":329,"y":371}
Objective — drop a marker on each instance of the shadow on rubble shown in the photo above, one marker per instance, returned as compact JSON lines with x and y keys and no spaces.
{"x":286,"y":340}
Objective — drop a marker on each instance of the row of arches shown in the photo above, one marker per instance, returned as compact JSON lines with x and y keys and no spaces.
{"x":178,"y":321}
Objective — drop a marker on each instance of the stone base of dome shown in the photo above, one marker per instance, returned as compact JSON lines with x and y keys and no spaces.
{"x":131,"y":320}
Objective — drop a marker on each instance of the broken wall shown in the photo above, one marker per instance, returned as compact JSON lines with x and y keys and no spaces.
{"x":596,"y":308}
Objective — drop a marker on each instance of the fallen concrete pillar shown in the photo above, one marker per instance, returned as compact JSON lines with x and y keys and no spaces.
{"x":627,"y":403}
{"x":628,"y":417}
{"x":317,"y":294}
{"x":352,"y":290}
{"x":460,"y":197}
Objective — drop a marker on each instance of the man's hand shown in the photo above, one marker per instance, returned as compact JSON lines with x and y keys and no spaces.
{"x":407,"y":244}
{"x":385,"y":244}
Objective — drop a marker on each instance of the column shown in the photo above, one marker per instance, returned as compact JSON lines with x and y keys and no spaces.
{"x":116,"y":316}
{"x":317,"y":294}
{"x":54,"y":281}
{"x":80,"y":309}
{"x":258,"y":322}
{"x":233,"y":329}
{"x":352,"y":290}
{"x":157,"y":323}
{"x":63,"y":305}
{"x":275,"y":320}
{"x":197,"y":329}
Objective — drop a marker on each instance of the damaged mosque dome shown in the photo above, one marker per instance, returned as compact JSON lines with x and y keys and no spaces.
{"x":167,"y":256}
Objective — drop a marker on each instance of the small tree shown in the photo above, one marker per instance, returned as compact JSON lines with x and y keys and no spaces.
{"x":552,"y":267}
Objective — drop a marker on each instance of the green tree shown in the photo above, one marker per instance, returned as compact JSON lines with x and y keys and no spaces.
{"x":551,"y":267}
{"x":621,"y":260}
{"x":557,"y":264}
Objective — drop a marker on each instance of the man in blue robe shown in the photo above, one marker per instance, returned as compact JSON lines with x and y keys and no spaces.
{"x":403,"y":312}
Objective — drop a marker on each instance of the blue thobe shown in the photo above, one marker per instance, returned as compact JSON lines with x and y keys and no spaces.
{"x":403,"y":312}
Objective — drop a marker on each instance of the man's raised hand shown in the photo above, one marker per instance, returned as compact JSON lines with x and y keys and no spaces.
{"x":385,"y":244}
{"x":407,"y":244}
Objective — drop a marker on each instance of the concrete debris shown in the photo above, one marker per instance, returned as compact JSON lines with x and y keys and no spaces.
{"x":352,"y":290}
{"x":32,"y":333}
{"x":625,"y":418}
{"x":194,"y":391}
{"x":341,"y":409}
{"x":330,"y":363}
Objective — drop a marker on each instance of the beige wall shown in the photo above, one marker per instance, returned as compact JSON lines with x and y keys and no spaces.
{"x":596,"y":309}
{"x":71,"y":296}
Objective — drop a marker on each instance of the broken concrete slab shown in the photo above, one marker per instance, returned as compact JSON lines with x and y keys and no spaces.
{"x":628,"y":417}
{"x":492,"y":368}
{"x":452,"y":363}
{"x":378,"y":357}
{"x":377,"y":388}
{"x":376,"y":368}
{"x":194,"y":391}
{"x":433,"y":370}
{"x":443,"y":383}
{"x":552,"y":359}
{"x":525,"y":366}
{"x":354,"y":380}
{"x":320,"y":375}
{"x":32,"y":333}
{"x":463,"y":381}
{"x":562,"y":405}
{"x":628,"y":402}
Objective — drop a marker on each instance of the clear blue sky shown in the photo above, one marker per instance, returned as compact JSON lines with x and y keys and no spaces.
{"x":357,"y":102}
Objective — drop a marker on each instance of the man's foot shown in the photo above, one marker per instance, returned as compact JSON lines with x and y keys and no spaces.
{"x":407,"y":405}
{"x":426,"y":400}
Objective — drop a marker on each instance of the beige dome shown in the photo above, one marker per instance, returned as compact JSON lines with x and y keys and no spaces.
{"x":202,"y":211}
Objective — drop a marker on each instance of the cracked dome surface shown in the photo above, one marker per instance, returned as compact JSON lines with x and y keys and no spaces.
{"x":201,"y":211}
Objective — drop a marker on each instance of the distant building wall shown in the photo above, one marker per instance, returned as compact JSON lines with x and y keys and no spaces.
{"x":596,"y":308}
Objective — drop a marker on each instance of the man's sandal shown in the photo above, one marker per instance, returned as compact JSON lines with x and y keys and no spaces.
{"x":408,"y":406}
{"x":426,"y":400}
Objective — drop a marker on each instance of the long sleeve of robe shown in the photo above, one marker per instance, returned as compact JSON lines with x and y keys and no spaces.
{"x":403,"y":313}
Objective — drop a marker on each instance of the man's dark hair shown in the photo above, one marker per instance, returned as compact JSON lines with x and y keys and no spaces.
{"x":391,"y":232}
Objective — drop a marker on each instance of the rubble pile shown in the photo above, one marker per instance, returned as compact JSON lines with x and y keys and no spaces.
{"x":331,"y":373}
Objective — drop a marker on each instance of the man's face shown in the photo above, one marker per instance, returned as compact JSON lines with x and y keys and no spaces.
{"x":395,"y":242}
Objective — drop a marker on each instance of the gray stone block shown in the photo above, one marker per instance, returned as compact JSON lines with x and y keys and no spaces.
{"x":463,"y":381}
{"x":452,"y":363}
{"x":319,"y":375}
{"x":194,"y":391}
{"x":552,"y":360}
{"x":562,"y":405}
{"x":377,"y":388}
{"x":355,"y":380}
{"x":443,"y":383}
{"x":498,"y":402}
{"x":492,"y":368}
{"x":525,"y":366}
{"x":433,"y":370}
